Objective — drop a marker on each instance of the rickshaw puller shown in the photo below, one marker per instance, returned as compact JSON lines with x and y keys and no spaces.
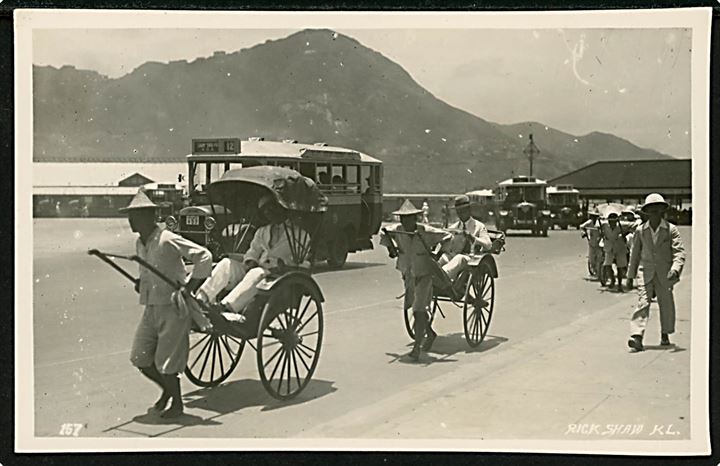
{"x":615,"y":249}
{"x":455,"y":259}
{"x":161,"y":343}
{"x":658,"y":256}
{"x":413,"y":262}
{"x":269,"y":248}
{"x":591,"y":230}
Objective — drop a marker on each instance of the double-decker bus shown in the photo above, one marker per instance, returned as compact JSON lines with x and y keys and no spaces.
{"x":351,"y":180}
{"x":564,"y":205}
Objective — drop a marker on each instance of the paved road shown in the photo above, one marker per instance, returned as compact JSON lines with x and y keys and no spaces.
{"x":85,"y":315}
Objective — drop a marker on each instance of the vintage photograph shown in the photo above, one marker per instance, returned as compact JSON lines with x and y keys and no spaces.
{"x":386,"y":231}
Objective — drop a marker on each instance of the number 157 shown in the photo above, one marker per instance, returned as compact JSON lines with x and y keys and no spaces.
{"x":69,"y":430}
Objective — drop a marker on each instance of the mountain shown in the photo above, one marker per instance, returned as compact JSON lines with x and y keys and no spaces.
{"x":315,"y":85}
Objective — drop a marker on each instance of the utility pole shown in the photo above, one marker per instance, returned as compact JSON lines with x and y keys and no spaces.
{"x":531,"y":151}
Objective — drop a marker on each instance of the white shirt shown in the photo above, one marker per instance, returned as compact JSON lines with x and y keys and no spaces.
{"x":164,"y":250}
{"x":656,"y":232}
{"x":474,"y":228}
{"x":271,"y":243}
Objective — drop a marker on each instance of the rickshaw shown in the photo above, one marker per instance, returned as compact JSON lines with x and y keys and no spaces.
{"x":285,"y":318}
{"x":473,"y":290}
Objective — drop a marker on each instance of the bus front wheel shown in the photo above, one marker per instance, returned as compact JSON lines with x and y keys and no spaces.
{"x":338,"y":251}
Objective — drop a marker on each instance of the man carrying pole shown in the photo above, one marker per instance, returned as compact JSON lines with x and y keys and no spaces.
{"x":415,"y":263}
{"x":161,"y":343}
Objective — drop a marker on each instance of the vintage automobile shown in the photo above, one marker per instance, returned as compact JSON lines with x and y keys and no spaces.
{"x":564,"y":205}
{"x":351,"y":180}
{"x":521,"y":204}
{"x":168,"y":197}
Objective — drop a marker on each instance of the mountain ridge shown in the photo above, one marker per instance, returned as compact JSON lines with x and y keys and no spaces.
{"x":311,"y":86}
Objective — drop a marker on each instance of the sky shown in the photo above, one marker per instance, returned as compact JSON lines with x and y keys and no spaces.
{"x":634,"y":83}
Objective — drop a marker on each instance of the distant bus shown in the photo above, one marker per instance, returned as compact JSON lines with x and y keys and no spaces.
{"x":351,"y":180}
{"x":521,"y":204}
{"x":564,"y":205}
{"x":481,"y":204}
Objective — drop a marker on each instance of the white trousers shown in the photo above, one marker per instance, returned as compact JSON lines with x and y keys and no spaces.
{"x":233,"y":275}
{"x":455,"y":265}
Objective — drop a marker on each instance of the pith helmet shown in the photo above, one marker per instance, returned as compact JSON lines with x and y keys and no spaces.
{"x":140,"y":201}
{"x":407,"y":208}
{"x":654,"y":198}
{"x":462,"y":201}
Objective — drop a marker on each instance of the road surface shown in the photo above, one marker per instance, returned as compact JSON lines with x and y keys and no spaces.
{"x":555,"y":356}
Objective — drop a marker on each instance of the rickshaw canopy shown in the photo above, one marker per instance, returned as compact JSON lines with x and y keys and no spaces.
{"x":292,"y":190}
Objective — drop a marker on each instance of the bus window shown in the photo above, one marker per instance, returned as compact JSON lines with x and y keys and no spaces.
{"x":338,"y":176}
{"x":352,"y":174}
{"x":323,"y":174}
{"x":376,"y":179}
{"x":365,"y":179}
{"x":308,"y":169}
{"x":291,"y":165}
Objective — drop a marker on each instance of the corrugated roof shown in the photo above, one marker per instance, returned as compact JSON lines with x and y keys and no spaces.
{"x":102,"y":174}
{"x":629,"y":174}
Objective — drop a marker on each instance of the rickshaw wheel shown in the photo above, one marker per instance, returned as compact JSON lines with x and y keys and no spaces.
{"x":478,"y":305}
{"x":602,"y":277}
{"x":289,"y":339}
{"x":212,"y":357}
{"x":409,"y":322}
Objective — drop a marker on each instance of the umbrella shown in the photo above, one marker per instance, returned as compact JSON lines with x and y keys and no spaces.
{"x":611,"y":208}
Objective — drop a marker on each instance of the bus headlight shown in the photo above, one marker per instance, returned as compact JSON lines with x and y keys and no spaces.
{"x":209,"y":223}
{"x":171,"y":223}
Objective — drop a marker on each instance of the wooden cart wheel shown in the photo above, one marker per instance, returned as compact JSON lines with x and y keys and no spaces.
{"x":289,"y":339}
{"x":478,"y":305}
{"x":212,"y":357}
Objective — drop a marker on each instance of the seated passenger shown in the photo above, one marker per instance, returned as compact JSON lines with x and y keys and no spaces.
{"x":269,"y":248}
{"x":324,"y":178}
{"x":454,"y":259}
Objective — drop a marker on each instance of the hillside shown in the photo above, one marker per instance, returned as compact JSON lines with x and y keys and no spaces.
{"x":312,"y":86}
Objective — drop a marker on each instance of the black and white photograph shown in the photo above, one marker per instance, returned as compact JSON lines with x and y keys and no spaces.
{"x":362,"y":231}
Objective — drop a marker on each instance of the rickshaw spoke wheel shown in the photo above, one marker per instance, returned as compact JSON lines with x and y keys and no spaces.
{"x":212,"y":358}
{"x":478,"y":305}
{"x":289,"y":340}
{"x":409,"y":322}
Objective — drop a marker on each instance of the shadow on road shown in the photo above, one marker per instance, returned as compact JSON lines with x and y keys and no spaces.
{"x":225,"y":399}
{"x":673,"y":348}
{"x":240,"y":394}
{"x":446,"y":346}
{"x":325,"y":268}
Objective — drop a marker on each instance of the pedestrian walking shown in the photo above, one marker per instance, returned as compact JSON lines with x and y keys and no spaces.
{"x":425,"y":212}
{"x":658,"y":256}
{"x":161,"y":343}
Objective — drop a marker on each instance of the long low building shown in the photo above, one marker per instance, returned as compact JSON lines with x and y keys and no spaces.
{"x":631,"y":180}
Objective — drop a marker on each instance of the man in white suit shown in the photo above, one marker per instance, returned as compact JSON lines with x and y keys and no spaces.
{"x":658,"y":255}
